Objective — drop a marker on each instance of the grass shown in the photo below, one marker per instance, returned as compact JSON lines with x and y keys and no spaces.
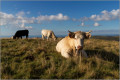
{"x":38,"y":59}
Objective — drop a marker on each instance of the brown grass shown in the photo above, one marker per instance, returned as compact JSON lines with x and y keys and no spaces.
{"x":38,"y":59}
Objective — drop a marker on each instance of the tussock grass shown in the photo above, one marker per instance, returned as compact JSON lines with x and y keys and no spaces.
{"x":38,"y":59}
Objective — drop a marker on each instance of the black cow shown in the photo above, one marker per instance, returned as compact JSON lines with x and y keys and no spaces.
{"x":21,"y":33}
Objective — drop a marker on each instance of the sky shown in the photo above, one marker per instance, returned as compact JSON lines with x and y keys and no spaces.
{"x":102,"y":17}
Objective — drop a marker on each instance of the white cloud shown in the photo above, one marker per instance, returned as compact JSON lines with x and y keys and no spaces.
{"x":28,"y":12}
{"x":96,"y":24}
{"x":115,"y":12}
{"x":19,"y":20}
{"x":74,"y":19}
{"x":104,"y":12}
{"x":84,"y":19}
{"x":103,"y":16}
{"x":106,"y":16}
{"x":2,"y":23}
{"x":57,"y":17}
{"x":15,"y":20}
{"x":81,"y":19}
{"x":28,"y":27}
{"x":4,"y":15}
{"x":5,"y":18}
{"x":22,"y":25}
{"x":93,"y":16}
{"x":21,"y":13}
{"x":82,"y":24}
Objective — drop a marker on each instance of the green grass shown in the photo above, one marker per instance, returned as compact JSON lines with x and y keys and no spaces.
{"x":38,"y":59}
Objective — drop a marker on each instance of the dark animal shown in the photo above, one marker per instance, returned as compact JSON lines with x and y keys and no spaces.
{"x":21,"y":33}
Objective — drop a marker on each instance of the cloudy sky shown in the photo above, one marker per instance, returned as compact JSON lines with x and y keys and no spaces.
{"x":60,"y":16}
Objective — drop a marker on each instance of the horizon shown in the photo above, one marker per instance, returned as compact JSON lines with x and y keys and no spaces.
{"x":39,"y":36}
{"x":60,"y":16}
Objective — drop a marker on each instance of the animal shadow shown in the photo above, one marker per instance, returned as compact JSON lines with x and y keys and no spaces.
{"x":108,"y":56}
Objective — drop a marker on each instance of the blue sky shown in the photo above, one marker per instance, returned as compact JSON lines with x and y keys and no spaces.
{"x":60,"y":16}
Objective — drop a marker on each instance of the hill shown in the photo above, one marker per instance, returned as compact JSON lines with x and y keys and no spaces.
{"x":38,"y":59}
{"x":110,"y":38}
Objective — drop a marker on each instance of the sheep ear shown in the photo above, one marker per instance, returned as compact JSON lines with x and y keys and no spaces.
{"x":71,"y":34}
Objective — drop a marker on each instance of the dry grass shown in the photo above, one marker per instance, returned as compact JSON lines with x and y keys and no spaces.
{"x":38,"y":59}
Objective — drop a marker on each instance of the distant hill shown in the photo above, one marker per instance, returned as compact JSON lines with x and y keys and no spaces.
{"x":104,"y":37}
{"x":115,"y":38}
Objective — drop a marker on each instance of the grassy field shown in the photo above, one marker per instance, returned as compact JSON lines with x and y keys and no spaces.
{"x":38,"y":59}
